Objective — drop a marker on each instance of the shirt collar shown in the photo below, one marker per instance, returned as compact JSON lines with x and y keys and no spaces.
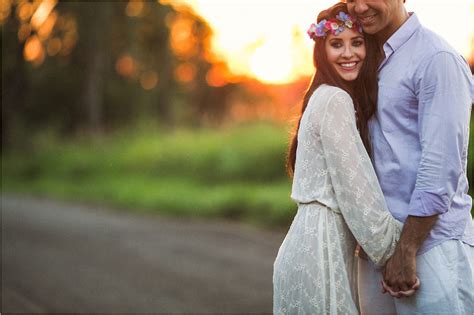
{"x":401,"y":36}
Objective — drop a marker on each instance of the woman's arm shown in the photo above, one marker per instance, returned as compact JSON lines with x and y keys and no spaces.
{"x":355,"y":184}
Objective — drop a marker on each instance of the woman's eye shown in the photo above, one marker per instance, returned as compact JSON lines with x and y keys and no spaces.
{"x":336,"y":45}
{"x":357,"y":43}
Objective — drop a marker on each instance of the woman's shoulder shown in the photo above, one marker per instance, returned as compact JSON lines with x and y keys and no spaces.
{"x":325,"y":95}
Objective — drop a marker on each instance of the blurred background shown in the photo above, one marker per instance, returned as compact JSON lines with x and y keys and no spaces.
{"x":181,"y":108}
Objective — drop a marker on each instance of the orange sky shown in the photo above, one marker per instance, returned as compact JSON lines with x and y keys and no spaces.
{"x":266,"y":39}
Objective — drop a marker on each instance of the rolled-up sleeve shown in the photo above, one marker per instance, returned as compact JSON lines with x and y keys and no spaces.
{"x":444,"y":94}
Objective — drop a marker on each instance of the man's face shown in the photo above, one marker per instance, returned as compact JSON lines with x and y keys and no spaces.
{"x":377,"y":17}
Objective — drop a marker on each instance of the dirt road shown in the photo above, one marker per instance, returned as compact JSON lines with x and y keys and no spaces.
{"x":61,"y":257}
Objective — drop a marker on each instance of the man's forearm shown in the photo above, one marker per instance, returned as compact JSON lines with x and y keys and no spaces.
{"x":400,"y":270}
{"x":414,"y":233}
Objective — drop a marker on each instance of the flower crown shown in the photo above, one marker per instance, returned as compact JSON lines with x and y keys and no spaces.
{"x":334,"y":25}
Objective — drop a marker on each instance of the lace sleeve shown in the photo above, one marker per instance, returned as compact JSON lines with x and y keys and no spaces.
{"x":357,"y":190}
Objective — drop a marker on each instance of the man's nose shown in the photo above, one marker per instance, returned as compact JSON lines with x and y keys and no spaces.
{"x":360,"y":6}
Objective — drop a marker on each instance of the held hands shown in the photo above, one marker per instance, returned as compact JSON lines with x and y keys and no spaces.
{"x":386,"y":288}
{"x":400,"y":271}
{"x":399,"y":275}
{"x":399,"y":294}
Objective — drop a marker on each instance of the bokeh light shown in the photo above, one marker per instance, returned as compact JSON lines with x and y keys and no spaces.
{"x":24,"y":11}
{"x":218,"y":75}
{"x":183,"y":43}
{"x":5,"y":10}
{"x":185,"y":72}
{"x":54,"y":46}
{"x":134,"y":8}
{"x":42,"y":28}
{"x":34,"y":50}
{"x":125,"y":66}
{"x":148,"y":79}
{"x":42,"y":13}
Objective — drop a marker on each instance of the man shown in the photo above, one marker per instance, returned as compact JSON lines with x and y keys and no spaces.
{"x":419,"y":138}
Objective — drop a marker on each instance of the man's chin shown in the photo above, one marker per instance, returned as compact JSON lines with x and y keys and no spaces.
{"x":369,"y":30}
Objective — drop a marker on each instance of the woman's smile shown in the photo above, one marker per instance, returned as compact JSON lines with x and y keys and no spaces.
{"x":346,"y":52}
{"x":349,"y":66}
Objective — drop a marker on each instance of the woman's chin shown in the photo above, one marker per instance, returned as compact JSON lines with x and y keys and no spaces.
{"x":349,"y":76}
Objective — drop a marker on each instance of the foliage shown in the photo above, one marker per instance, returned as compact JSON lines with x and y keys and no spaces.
{"x":236,"y":173}
{"x":123,"y":63}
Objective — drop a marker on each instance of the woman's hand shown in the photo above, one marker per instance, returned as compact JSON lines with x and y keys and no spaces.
{"x":400,"y":294}
{"x":359,"y":252}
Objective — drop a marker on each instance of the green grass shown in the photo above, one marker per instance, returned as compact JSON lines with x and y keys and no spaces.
{"x":234,"y":173}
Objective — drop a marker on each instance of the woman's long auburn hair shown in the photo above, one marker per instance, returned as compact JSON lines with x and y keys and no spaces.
{"x":363,"y":90}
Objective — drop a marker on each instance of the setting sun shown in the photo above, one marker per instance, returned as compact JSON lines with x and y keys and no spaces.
{"x":267,"y":39}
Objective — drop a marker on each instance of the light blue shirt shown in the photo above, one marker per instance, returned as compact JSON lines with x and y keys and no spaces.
{"x":420,"y":132}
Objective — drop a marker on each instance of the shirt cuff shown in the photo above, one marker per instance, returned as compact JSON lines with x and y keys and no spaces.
{"x":424,"y":204}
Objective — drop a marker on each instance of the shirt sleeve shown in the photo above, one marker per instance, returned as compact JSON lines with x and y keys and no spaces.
{"x":355,"y":184}
{"x":444,"y":104}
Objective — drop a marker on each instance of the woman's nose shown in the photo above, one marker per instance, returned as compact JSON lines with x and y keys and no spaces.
{"x":347,"y":52}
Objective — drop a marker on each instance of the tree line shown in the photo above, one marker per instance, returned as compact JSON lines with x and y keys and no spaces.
{"x":90,"y":67}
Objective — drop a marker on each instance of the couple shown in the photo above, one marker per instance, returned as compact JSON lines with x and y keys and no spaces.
{"x":388,"y":88}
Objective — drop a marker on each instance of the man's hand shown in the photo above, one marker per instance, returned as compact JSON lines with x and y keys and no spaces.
{"x":399,"y":294}
{"x":400,"y":271}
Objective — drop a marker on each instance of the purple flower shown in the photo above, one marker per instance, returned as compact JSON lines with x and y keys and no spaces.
{"x":342,"y":16}
{"x":320,"y":28}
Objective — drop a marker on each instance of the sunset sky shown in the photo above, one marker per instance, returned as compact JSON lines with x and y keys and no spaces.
{"x":266,"y":39}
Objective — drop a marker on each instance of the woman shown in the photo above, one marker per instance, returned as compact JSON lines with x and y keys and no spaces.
{"x":339,"y":199}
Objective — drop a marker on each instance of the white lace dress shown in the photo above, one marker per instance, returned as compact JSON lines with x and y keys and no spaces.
{"x":340,"y":203}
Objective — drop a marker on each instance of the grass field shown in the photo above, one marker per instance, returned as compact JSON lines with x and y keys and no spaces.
{"x":235,"y":173}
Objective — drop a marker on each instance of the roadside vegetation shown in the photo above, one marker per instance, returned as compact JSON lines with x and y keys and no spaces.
{"x":236,"y":173}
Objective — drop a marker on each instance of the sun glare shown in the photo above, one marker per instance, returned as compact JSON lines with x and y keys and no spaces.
{"x":264,"y":59}
{"x":266,"y":40}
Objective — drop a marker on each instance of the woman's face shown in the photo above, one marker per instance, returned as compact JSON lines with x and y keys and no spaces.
{"x":346,"y":53}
